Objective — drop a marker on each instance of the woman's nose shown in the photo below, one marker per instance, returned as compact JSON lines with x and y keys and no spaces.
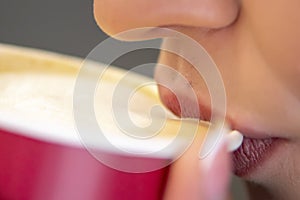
{"x":115,"y":16}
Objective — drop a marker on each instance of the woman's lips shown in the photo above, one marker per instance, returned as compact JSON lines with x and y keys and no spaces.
{"x":251,"y":154}
{"x":256,"y":147}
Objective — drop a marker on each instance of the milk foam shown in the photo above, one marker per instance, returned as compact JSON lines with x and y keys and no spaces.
{"x":37,"y":96}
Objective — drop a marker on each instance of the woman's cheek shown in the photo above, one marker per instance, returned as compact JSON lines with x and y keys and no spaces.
{"x":276,"y":30}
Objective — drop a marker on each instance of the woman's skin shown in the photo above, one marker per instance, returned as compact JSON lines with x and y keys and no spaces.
{"x":256,"y":47}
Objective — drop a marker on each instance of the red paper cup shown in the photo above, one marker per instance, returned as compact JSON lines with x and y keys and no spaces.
{"x":35,"y":165}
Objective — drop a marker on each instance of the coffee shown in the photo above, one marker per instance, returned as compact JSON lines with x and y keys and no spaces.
{"x":38,"y":92}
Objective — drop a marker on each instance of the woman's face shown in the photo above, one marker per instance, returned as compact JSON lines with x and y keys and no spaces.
{"x":256,"y":47}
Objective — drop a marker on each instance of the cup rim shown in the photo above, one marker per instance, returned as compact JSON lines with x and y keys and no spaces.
{"x":16,"y":125}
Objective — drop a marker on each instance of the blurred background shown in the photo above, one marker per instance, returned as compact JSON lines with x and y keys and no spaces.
{"x":64,"y":26}
{"x":68,"y":27}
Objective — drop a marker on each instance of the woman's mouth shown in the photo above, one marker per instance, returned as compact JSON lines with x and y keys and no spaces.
{"x":257,"y":147}
{"x":251,"y":154}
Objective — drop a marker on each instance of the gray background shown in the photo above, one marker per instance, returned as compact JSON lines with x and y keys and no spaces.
{"x":64,"y":26}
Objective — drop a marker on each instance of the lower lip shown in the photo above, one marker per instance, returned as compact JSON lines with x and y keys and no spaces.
{"x":251,"y":154}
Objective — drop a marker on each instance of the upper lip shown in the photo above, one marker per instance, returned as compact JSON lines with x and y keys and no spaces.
{"x":249,"y":130}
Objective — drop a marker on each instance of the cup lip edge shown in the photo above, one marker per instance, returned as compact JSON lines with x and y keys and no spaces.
{"x":22,"y":130}
{"x":17,"y":127}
